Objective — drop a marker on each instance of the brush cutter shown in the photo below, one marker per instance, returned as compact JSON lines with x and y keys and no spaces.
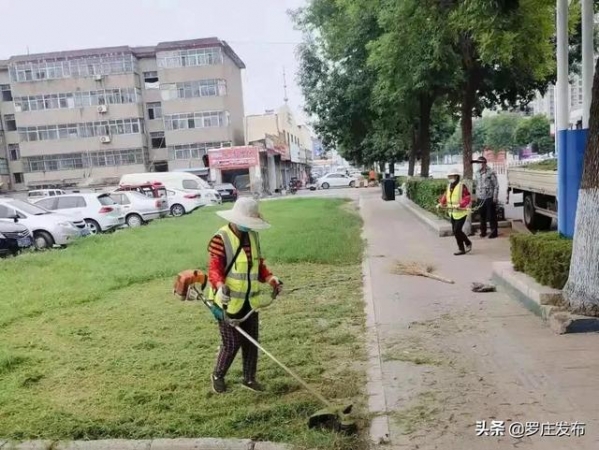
{"x":331,"y":417}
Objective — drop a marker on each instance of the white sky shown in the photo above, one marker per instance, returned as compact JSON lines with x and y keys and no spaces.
{"x":259,"y":31}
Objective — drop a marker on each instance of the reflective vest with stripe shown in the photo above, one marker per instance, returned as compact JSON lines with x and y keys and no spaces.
{"x":454,"y":198}
{"x":242,"y":279}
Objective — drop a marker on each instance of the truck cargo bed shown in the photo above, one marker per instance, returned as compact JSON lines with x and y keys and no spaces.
{"x":538,"y":181}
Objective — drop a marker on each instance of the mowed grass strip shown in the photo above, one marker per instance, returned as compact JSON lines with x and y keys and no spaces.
{"x":93,"y":344}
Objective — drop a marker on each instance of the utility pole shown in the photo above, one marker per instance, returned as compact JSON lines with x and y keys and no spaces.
{"x":286,"y":98}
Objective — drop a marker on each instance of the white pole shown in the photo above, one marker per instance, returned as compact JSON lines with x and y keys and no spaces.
{"x":588,"y":59}
{"x":562,"y":87}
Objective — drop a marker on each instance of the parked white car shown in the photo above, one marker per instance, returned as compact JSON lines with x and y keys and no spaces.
{"x":175,"y":180}
{"x":41,"y":193}
{"x":183,"y":202}
{"x":101,"y":213}
{"x":335,"y":180}
{"x":137,"y":208}
{"x":47,"y":227}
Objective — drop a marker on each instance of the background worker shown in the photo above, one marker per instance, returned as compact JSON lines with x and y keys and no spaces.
{"x":236,"y":268}
{"x":457,"y":199}
{"x":487,"y":192}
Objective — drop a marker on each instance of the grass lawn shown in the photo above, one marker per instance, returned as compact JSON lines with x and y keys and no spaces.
{"x":93,"y":344}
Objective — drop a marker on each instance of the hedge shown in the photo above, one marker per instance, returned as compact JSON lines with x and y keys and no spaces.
{"x":425,"y":192}
{"x":543,"y":256}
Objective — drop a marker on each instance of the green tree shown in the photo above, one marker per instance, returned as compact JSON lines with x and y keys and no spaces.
{"x":414,"y":63}
{"x":500,"y":132}
{"x":338,"y":84}
{"x":506,"y":55}
{"x":536,"y":132}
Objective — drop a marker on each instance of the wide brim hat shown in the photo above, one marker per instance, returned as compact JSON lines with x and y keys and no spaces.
{"x":245,"y":213}
{"x":454,"y":173}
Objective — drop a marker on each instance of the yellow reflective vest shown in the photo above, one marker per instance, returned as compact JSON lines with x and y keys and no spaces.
{"x":242,"y":279}
{"x":454,"y":198}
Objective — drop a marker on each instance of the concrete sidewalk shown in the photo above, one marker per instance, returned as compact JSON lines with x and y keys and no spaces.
{"x":451,"y":357}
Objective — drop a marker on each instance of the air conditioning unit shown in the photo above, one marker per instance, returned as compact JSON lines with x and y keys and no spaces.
{"x":102,"y":109}
{"x":98,"y":77}
{"x":105,"y":139}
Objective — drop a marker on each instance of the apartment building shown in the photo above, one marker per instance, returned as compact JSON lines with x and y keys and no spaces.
{"x":77,"y":118}
{"x":296,"y":140}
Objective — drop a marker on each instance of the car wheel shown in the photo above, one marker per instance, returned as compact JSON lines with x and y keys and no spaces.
{"x":43,"y":240}
{"x":94,"y":227}
{"x":325,"y":185}
{"x":352,"y":184}
{"x":177,"y":210}
{"x":134,"y":221}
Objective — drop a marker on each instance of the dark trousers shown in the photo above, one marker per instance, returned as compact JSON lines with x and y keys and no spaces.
{"x":232,"y":340}
{"x":459,"y":234}
{"x":488,"y":212}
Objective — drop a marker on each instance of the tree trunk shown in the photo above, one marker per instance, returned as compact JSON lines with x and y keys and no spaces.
{"x":582,"y":289}
{"x":413,"y":151}
{"x":466,"y":125}
{"x":381,"y":167}
{"x":426,"y":106}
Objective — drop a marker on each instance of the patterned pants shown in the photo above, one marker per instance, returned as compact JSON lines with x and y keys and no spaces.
{"x":232,"y":340}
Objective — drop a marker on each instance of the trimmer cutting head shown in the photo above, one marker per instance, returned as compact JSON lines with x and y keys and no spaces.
{"x":334,"y":419}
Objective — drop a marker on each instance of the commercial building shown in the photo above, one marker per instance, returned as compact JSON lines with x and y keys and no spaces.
{"x":76,"y":118}
{"x":287,"y":146}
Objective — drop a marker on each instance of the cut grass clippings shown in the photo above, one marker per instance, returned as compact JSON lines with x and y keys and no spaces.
{"x":93,"y":345}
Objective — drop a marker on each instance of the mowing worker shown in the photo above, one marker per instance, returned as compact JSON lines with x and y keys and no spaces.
{"x":457,"y":199}
{"x":236,"y":268}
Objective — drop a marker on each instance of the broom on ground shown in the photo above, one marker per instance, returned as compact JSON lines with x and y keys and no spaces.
{"x":418,"y":270}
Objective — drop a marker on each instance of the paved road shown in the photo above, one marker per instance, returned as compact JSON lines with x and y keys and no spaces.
{"x":452,"y":357}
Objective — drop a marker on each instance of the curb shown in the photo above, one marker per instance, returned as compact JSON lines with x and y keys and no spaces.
{"x":154,"y":444}
{"x":546,"y":302}
{"x":441,"y":226}
{"x":377,"y":403}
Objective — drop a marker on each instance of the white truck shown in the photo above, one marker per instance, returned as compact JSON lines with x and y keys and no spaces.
{"x":538,"y":185}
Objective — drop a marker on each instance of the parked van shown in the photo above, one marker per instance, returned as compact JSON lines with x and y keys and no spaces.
{"x":175,"y":180}
{"x":41,"y":193}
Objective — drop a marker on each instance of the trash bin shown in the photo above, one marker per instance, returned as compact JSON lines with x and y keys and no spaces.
{"x":388,"y":188}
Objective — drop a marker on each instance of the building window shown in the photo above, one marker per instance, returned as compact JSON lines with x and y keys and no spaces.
{"x":191,"y":57}
{"x":206,"y":119}
{"x":18,"y":178}
{"x":14,"y":152}
{"x":195,"y":89}
{"x":10,"y":122}
{"x":73,"y":100}
{"x":70,"y":161}
{"x":194,"y":151}
{"x":53,"y":69}
{"x":81,"y":130}
{"x":151,"y":80}
{"x":157,"y":139}
{"x":3,"y":166}
{"x":154,"y":110}
{"x":6,"y":92}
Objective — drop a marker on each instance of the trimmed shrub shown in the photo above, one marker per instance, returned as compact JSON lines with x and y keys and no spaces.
{"x":425,"y":192}
{"x":543,"y":256}
{"x":400,"y":180}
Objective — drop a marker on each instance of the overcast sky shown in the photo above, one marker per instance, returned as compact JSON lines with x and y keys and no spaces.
{"x":258,"y":30}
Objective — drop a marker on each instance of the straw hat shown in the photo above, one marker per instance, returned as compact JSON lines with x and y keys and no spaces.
{"x":454,"y":172}
{"x":245,"y":213}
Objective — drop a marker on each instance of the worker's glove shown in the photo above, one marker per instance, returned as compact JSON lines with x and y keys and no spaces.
{"x":224,"y":295}
{"x":277,"y":285}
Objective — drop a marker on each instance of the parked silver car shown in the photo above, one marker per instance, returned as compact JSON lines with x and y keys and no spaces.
{"x":47,"y":227}
{"x":137,"y":208}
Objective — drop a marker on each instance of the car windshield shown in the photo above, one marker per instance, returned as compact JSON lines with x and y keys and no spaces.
{"x":28,"y":208}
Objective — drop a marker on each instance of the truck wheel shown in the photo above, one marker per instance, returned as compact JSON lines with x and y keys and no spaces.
{"x":532,"y":220}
